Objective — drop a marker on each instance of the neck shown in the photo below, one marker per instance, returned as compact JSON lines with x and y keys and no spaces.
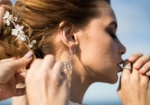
{"x":79,"y":80}
{"x":79,"y":85}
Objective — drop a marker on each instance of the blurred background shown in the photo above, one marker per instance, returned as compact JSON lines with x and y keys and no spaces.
{"x":133,"y":18}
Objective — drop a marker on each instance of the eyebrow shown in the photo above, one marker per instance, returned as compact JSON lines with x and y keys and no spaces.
{"x":114,"y":23}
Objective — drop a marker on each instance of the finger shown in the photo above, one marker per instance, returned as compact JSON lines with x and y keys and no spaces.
{"x":36,"y":65}
{"x":48,"y":62}
{"x":145,"y":68}
{"x":7,"y":60}
{"x":134,"y":57}
{"x":33,"y":70}
{"x":58,"y":67}
{"x":56,"y":74}
{"x":148,"y":73}
{"x":141,"y":61}
{"x":22,"y":62}
{"x":127,"y":66}
{"x":144,"y":80}
{"x":135,"y":75}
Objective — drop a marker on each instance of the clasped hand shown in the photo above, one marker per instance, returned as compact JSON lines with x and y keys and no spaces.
{"x":134,"y":88}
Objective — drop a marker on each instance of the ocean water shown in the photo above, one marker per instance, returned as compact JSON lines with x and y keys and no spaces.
{"x":103,"y":103}
{"x":8,"y":102}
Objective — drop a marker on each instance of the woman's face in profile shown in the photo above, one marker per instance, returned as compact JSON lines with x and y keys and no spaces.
{"x":100,"y":49}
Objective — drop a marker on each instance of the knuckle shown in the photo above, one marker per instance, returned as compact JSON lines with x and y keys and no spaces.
{"x":49,"y":57}
{"x":146,"y":67}
{"x":35,"y":62}
{"x":148,"y":73}
{"x":137,"y":63}
{"x":55,"y":79}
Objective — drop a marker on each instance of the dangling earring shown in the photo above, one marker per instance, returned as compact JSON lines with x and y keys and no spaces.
{"x":68,"y":64}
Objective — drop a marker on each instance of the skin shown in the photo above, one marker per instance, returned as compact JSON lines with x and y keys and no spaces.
{"x":134,"y":88}
{"x":95,"y":41}
{"x":49,"y":85}
{"x":106,"y":53}
{"x":88,"y":71}
{"x":12,"y":75}
{"x":139,"y":59}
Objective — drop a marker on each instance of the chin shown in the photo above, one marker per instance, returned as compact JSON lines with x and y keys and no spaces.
{"x":113,"y":80}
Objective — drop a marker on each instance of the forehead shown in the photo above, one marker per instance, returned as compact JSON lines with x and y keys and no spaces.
{"x":107,"y":13}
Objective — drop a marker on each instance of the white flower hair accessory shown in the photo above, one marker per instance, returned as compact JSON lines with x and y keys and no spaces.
{"x":18,"y":29}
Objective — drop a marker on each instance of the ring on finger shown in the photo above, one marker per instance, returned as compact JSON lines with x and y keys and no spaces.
{"x":127,"y":67}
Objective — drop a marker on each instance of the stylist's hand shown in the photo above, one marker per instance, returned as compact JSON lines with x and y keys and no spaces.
{"x":11,"y":74}
{"x":134,"y":87}
{"x":47,"y":83}
{"x":2,"y":10}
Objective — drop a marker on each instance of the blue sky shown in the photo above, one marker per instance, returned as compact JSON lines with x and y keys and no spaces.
{"x":134,"y":32}
{"x":133,"y":18}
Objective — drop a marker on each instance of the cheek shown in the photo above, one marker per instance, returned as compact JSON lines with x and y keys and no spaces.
{"x":100,"y":60}
{"x":94,"y":55}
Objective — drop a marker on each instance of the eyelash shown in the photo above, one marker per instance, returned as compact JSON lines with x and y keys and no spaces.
{"x":113,"y":35}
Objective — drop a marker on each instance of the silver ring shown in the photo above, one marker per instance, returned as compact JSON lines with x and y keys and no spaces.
{"x":127,"y":67}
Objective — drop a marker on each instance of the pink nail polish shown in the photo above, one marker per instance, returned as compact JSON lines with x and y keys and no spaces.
{"x":136,"y":65}
{"x":29,"y":54}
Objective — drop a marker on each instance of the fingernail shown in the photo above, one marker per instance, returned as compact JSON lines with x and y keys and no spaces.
{"x":29,"y":54}
{"x":136,"y":65}
{"x":131,"y":58}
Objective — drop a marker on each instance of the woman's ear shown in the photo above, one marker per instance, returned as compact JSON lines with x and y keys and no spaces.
{"x":67,"y":35}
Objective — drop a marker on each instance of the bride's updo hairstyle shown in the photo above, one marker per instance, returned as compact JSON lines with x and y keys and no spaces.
{"x":40,"y":20}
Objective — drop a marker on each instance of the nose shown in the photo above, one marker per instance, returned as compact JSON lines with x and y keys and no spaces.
{"x":122,"y":48}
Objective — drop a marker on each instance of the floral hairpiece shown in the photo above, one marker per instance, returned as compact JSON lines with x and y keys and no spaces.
{"x":18,"y":30}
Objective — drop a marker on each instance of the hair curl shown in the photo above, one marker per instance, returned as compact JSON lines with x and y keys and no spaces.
{"x":41,"y":19}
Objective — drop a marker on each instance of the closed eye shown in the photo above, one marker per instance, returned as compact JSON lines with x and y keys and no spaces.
{"x":111,"y":33}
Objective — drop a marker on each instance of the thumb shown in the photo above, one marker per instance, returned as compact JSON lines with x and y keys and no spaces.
{"x":127,"y":70}
{"x":22,"y":62}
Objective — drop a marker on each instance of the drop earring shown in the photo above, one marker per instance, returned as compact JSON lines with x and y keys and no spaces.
{"x":68,"y":64}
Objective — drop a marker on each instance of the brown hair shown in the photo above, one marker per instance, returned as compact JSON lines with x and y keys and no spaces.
{"x":41,"y":19}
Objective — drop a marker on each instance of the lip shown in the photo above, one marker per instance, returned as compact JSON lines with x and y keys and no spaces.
{"x":120,"y":66}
